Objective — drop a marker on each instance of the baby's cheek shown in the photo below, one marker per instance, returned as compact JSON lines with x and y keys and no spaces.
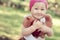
{"x":35,"y":11}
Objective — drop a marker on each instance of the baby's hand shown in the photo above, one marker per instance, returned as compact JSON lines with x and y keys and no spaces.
{"x":47,"y":30}
{"x":37,"y":24}
{"x":44,"y":29}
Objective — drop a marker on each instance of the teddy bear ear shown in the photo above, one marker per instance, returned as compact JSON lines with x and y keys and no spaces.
{"x":48,"y":21}
{"x":48,"y":17}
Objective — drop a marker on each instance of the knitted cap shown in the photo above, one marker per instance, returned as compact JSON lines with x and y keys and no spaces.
{"x":32,"y":2}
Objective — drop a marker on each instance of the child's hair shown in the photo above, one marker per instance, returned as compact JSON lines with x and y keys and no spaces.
{"x":32,"y":2}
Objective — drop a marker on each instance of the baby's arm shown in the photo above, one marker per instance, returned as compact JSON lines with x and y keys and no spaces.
{"x":49,"y":32}
{"x":47,"y":27}
{"x":46,"y":30}
{"x":27,"y":30}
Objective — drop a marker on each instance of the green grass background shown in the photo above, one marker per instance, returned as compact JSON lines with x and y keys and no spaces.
{"x":11,"y":23}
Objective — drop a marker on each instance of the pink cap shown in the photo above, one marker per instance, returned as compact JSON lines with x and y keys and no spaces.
{"x":32,"y":2}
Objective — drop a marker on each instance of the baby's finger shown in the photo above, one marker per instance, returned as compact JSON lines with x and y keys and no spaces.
{"x":42,"y":35}
{"x":34,"y":21}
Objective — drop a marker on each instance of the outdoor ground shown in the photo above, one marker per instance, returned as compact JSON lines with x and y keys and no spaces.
{"x":11,"y":23}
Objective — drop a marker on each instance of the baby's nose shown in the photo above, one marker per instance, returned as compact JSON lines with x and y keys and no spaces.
{"x":39,"y":11}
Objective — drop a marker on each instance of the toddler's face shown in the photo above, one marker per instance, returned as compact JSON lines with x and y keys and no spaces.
{"x":38,"y":9}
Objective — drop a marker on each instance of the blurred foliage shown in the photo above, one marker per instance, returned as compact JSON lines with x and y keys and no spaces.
{"x":11,"y":17}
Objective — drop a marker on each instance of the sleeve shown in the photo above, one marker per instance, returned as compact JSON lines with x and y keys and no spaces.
{"x":27,"y":21}
{"x":48,"y":20}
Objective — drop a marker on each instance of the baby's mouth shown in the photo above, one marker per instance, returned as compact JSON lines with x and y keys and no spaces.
{"x":39,"y":15}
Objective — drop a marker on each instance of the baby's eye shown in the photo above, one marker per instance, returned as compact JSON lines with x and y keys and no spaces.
{"x":42,"y":9}
{"x":36,"y":8}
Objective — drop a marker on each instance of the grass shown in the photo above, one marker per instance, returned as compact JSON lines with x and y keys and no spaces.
{"x":56,"y":28}
{"x":11,"y":23}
